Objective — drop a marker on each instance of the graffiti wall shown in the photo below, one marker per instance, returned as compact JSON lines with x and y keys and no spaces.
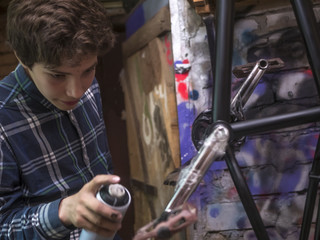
{"x":276,"y":164}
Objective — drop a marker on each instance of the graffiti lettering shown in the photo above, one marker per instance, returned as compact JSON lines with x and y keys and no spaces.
{"x":155,"y":98}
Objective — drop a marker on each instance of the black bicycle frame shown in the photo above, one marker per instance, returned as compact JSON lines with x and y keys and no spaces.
{"x":224,"y":20}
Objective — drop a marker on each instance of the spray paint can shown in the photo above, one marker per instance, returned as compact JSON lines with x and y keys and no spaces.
{"x":115,"y":196}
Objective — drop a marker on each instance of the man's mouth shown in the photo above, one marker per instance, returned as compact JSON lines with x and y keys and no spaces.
{"x":70,"y":103}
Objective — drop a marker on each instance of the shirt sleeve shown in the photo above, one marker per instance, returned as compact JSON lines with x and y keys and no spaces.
{"x":18,"y":219}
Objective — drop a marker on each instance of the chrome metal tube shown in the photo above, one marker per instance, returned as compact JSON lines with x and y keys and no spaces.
{"x":213,"y":148}
{"x":249,"y":84}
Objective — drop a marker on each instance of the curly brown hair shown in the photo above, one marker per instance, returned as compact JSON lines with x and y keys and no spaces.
{"x":49,"y":31}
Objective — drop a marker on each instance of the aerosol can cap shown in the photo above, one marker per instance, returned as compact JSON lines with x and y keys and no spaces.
{"x":114,"y":195}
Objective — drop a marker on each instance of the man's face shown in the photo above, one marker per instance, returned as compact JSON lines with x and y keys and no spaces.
{"x":64,"y":85}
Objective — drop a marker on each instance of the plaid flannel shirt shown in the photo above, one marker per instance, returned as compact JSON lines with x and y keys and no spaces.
{"x":45,"y":155}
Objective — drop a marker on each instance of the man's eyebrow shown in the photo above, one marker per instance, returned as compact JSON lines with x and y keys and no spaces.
{"x":92,"y":66}
{"x":53,"y":70}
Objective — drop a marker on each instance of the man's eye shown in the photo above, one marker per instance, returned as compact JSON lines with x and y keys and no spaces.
{"x":57,"y":76}
{"x":91,"y":70}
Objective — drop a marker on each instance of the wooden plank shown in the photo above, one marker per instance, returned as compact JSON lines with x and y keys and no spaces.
{"x":144,"y":187}
{"x":152,"y":124}
{"x":137,"y":157}
{"x":205,"y":7}
{"x":159,"y":24}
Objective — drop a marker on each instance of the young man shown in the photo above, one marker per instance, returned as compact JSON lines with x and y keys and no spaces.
{"x":53,"y":148}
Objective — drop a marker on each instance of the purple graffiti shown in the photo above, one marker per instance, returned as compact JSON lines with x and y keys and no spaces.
{"x":186,"y":114}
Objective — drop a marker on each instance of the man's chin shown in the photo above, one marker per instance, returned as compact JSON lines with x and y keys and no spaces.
{"x":65,"y":107}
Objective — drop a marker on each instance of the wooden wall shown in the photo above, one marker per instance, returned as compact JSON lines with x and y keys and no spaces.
{"x":152,"y":122}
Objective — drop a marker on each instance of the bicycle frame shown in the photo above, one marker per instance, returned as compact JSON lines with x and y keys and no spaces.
{"x":221,"y":107}
{"x":221,"y":45}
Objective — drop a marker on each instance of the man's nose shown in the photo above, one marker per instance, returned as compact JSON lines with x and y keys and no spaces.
{"x":75,"y":89}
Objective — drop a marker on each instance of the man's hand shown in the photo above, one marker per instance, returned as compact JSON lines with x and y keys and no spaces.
{"x":83,"y":210}
{"x":168,"y":223}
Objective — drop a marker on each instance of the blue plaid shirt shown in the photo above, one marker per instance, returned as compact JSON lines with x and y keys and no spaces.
{"x":45,"y":155}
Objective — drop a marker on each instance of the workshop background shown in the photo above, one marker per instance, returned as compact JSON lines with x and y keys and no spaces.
{"x":156,"y":82}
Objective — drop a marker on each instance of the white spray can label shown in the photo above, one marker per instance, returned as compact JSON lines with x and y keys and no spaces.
{"x":115,"y":196}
